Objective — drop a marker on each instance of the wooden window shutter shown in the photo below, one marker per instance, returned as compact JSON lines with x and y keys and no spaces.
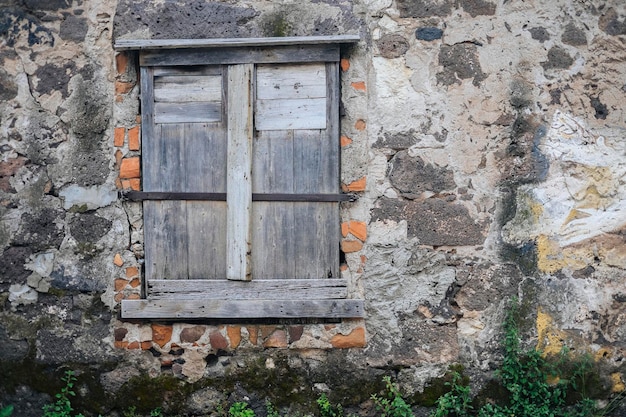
{"x":240,"y":186}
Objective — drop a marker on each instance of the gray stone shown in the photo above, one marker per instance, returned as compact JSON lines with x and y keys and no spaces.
{"x":8,"y":86}
{"x":540,"y":34}
{"x":89,"y":227}
{"x":12,"y":350}
{"x":428,"y":33}
{"x":202,"y":402}
{"x":478,"y":7}
{"x":40,"y":231}
{"x":73,"y":28}
{"x":460,"y":62}
{"x":558,"y":58}
{"x":610,"y":24}
{"x":392,"y":46}
{"x":90,"y":197}
{"x":12,"y":263}
{"x":411,"y":176}
{"x":114,"y":380}
{"x":425,"y":8}
{"x":573,"y":35}
{"x":52,"y":78}
{"x":433,"y":222}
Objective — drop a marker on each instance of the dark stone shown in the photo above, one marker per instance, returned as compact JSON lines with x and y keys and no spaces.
{"x":73,"y":344}
{"x":397,"y":141}
{"x":13,"y":21}
{"x":192,"y":334}
{"x":411,"y":176}
{"x":540,"y":34}
{"x":74,"y":28}
{"x":83,"y":279}
{"x":90,"y":169}
{"x":610,"y":24}
{"x":521,"y":94}
{"x":428,"y":33}
{"x":120,"y":333}
{"x":482,"y":285}
{"x":573,"y":36}
{"x":52,"y":78}
{"x":392,"y":46}
{"x":47,"y":5}
{"x":12,"y":263}
{"x":8,"y":87}
{"x":558,"y":58}
{"x":601,"y":110}
{"x":555,"y":95}
{"x":478,"y":7}
{"x":295,"y":333}
{"x":425,"y":8}
{"x":12,"y":350}
{"x":90,"y":115}
{"x":27,"y":402}
{"x":39,"y":231}
{"x":459,"y":61}
{"x":586,"y":272}
{"x":433,"y":222}
{"x":186,"y":19}
{"x":89,"y":227}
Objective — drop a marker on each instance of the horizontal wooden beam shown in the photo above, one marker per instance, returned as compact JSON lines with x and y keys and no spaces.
{"x":240,"y":309}
{"x":149,"y":44}
{"x":157,"y":195}
{"x":274,"y":289}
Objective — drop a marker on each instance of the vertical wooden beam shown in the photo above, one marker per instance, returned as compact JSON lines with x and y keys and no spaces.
{"x":239,"y":174}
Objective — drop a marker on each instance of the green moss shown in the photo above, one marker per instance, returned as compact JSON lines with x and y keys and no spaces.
{"x":276,"y":25}
{"x":437,"y":387}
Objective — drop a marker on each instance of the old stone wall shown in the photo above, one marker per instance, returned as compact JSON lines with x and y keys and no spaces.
{"x":484,"y":138}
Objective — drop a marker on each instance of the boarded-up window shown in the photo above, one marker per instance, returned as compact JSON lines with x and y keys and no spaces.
{"x":240,"y":183}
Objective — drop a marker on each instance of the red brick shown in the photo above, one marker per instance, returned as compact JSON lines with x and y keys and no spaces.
{"x":344,"y":140}
{"x":350,"y":246}
{"x":135,"y":184}
{"x":345,"y":64}
{"x":358,"y":85}
{"x":133,"y":296}
{"x":118,"y":158}
{"x":357,"y":185}
{"x":358,"y":230}
{"x":134,"y":345}
{"x":118,"y":297}
{"x":133,"y":138}
{"x":117,"y":260}
{"x":120,"y":284}
{"x":123,"y":87}
{"x":254,"y":334}
{"x":129,"y":168}
{"x":124,"y":184}
{"x":360,"y":124}
{"x":121,"y":62}
{"x":118,"y":136}
{"x":134,"y":283}
{"x":120,"y":344}
{"x":345,"y":229}
{"x":161,"y":334}
{"x":234,"y":335}
{"x":356,"y":339}
{"x":132,"y":272}
{"x":146,"y":345}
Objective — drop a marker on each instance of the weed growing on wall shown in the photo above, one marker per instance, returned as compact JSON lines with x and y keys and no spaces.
{"x":392,"y":404}
{"x":62,"y":407}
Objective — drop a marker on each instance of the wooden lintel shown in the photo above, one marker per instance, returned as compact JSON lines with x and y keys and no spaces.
{"x":151,"y":195}
{"x":241,"y":309}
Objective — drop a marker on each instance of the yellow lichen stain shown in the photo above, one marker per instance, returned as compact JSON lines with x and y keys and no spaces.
{"x":549,"y":339}
{"x":552,"y":258}
{"x":536,"y":209}
{"x":618,"y":384}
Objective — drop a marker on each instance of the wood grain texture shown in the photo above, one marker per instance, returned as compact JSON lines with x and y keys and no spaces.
{"x":269,"y":289}
{"x":239,"y":171}
{"x":222,"y":309}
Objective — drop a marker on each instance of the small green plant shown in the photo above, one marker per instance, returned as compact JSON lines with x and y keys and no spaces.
{"x":6,"y":411}
{"x":62,"y":407}
{"x":327,"y":409}
{"x":456,"y":402}
{"x":392,"y":405}
{"x":271,"y":410}
{"x":240,"y":409}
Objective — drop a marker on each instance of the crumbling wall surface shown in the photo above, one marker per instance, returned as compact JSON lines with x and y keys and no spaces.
{"x":484,"y":139}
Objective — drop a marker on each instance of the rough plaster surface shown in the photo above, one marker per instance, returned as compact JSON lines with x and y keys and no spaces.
{"x":490,"y":137}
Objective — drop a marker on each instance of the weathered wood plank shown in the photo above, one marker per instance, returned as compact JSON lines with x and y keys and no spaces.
{"x":291,"y":81}
{"x":198,"y":309}
{"x":244,"y":55}
{"x":239,"y":170}
{"x":182,"y":88}
{"x":165,"y":231}
{"x":192,"y":112}
{"x":268,"y":289}
{"x":291,"y":114}
{"x":205,"y":171}
{"x":149,"y":152}
{"x":144,"y":44}
{"x":192,"y":70}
